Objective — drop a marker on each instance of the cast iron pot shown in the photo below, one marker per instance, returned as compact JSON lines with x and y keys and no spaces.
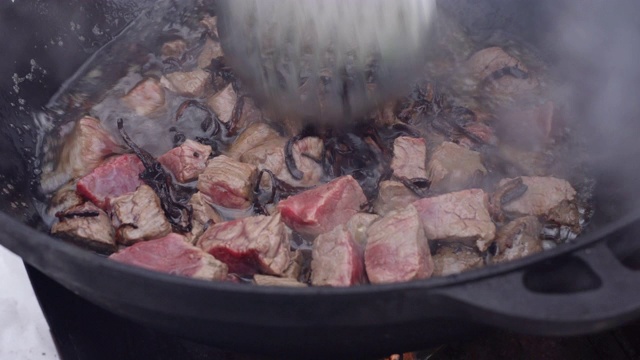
{"x":582,"y":287}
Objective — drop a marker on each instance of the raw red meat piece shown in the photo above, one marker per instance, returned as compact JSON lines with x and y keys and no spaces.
{"x":186,"y":161}
{"x":227,"y":182}
{"x":174,"y":255}
{"x":321,"y":209}
{"x":115,"y":177}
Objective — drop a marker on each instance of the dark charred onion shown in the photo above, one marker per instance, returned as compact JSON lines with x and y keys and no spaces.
{"x":509,"y":191}
{"x":71,"y":215}
{"x":279,"y":190}
{"x":419,"y":186}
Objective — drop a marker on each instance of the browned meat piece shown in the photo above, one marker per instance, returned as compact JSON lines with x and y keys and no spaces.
{"x":146,"y":97}
{"x":64,"y":199}
{"x":409,"y":157}
{"x":223,"y":102}
{"x":257,"y":244}
{"x":271,"y":156}
{"x":138,"y":216}
{"x":295,"y":265}
{"x":543,"y":197}
{"x":518,"y":239}
{"x":117,"y":176}
{"x":88,"y":226}
{"x":455,"y":258}
{"x":321,"y":209}
{"x":527,"y":128}
{"x":85,"y":148}
{"x":211,"y":50}
{"x":253,"y":136}
{"x":358,"y":225}
{"x":337,"y":259}
{"x":489,"y":60}
{"x":462,"y":215}
{"x":453,"y":167}
{"x":189,"y":84}
{"x":393,"y":195}
{"x":267,"y":280}
{"x":478,"y":132}
{"x":228,"y":183}
{"x":173,"y":48}
{"x":204,"y":215}
{"x":502,"y":73}
{"x":397,"y":248}
{"x":174,"y":255}
{"x":526,"y":162}
{"x":211,"y":24}
{"x":186,"y":161}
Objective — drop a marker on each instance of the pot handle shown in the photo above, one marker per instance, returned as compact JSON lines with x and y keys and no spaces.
{"x":538,"y":300}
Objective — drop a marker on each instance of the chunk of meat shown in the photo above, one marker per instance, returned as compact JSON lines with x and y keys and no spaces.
{"x":173,"y":48}
{"x":392,"y":195}
{"x":337,"y":259}
{"x":503,"y":73}
{"x":257,"y":244}
{"x":174,"y":255}
{"x":146,"y":97}
{"x":117,"y":176}
{"x":253,"y":136}
{"x":530,"y":163}
{"x":453,"y":167}
{"x":204,"y":215}
{"x":321,"y":209}
{"x":64,"y":199}
{"x":186,"y":161}
{"x":462,"y":215}
{"x":227,"y":182}
{"x":455,"y":258}
{"x":517,"y":239}
{"x":210,"y":50}
{"x":271,"y":156}
{"x":86,"y":225}
{"x":528,"y":128}
{"x":543,"y":195}
{"x":223,"y":102}
{"x":139,"y":216}
{"x":189,"y":84}
{"x":397,"y":248}
{"x":85,"y":148}
{"x":489,"y":60}
{"x":210,"y":23}
{"x":409,"y":157}
{"x":358,"y":225}
{"x":267,"y":280}
{"x":296,"y":263}
{"x":477,"y":132}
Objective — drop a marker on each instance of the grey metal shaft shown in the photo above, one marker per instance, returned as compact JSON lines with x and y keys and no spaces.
{"x":325,"y":60}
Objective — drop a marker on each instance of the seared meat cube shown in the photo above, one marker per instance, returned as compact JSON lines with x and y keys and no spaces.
{"x":271,"y":156}
{"x":257,"y":244}
{"x":527,"y":128}
{"x":267,"y":280}
{"x":228,"y":183}
{"x":211,"y":50}
{"x":204,"y":215}
{"x":397,"y":248}
{"x":64,"y":199}
{"x":174,"y":255}
{"x":139,"y":216}
{"x":223,"y":102}
{"x":173,"y":48}
{"x":550,"y":197}
{"x":528,"y":163}
{"x":117,"y":176}
{"x":337,"y":259}
{"x":146,"y":97}
{"x":477,"y":132}
{"x":393,"y":195}
{"x":358,"y":225}
{"x":462,"y":215}
{"x":455,"y":258}
{"x":210,"y":23}
{"x":409,"y":157}
{"x":489,"y":60}
{"x":504,"y":74}
{"x":186,"y":161}
{"x":85,"y":148}
{"x":321,"y":209}
{"x":188,"y":84}
{"x":453,"y":167}
{"x":253,"y":136}
{"x":517,"y":239}
{"x":88,"y":226}
{"x":295,"y":265}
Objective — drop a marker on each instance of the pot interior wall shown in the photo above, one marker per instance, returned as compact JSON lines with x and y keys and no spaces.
{"x":587,"y":45}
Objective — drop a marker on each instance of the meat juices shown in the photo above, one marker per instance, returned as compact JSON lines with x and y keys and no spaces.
{"x":227,"y":183}
{"x":186,"y":161}
{"x":257,"y":244}
{"x":117,"y":176}
{"x":397,"y":248}
{"x":321,"y":209}
{"x":86,"y":225}
{"x":172,"y":254}
{"x":337,"y":259}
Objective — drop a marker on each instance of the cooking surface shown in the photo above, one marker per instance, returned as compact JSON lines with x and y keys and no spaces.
{"x":108,"y":337}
